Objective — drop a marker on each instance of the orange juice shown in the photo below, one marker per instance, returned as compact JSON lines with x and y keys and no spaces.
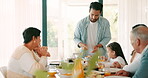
{"x":67,"y":74}
{"x":78,"y":71}
{"x":107,"y":74}
{"x":52,"y":73}
{"x":101,"y":67}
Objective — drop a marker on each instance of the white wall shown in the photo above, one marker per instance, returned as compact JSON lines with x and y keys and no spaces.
{"x":15,"y":16}
{"x":131,"y":12}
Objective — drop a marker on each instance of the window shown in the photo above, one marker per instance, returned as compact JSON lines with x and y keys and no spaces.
{"x":110,"y":11}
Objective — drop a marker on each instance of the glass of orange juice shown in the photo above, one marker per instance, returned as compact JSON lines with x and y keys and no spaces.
{"x":52,"y":71}
{"x":100,"y":65}
{"x":107,"y":72}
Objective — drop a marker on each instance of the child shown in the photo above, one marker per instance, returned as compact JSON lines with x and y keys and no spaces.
{"x":116,"y":56}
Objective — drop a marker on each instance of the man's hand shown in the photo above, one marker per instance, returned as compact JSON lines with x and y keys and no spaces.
{"x":83,"y":46}
{"x":122,"y":73}
{"x":42,"y":51}
{"x":96,"y":48}
{"x":99,"y":45}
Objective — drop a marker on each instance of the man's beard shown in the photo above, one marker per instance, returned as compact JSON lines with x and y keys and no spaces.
{"x":93,"y":20}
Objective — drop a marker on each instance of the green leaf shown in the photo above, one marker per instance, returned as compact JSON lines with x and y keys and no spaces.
{"x":81,"y":55}
{"x":92,"y":62}
{"x":41,"y":74}
{"x":66,"y":65}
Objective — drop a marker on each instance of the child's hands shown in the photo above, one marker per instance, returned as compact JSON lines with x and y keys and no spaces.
{"x":117,"y":65}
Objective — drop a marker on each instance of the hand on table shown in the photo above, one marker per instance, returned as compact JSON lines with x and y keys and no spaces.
{"x":116,"y":65}
{"x":122,"y":73}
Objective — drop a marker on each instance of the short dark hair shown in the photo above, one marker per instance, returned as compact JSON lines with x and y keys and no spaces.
{"x":137,"y":25}
{"x":118,"y":50}
{"x":29,"y":33}
{"x":96,"y":6}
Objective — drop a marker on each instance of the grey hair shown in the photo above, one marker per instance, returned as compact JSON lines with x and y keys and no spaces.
{"x":139,"y":33}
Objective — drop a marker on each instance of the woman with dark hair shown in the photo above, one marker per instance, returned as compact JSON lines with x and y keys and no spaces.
{"x":116,"y":55}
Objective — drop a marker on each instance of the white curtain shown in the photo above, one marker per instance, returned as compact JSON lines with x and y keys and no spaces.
{"x":15,"y":16}
{"x":131,"y":12}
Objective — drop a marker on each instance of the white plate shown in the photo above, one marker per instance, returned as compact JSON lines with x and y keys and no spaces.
{"x":63,"y":71}
{"x":97,"y":72}
{"x":112,"y":70}
{"x":117,"y":77}
{"x":62,"y":76}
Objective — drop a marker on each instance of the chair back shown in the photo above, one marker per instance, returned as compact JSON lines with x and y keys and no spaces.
{"x":3,"y":70}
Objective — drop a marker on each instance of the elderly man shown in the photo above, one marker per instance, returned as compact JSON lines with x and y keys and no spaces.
{"x":139,"y":41}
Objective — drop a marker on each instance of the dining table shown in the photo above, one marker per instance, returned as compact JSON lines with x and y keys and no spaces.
{"x":96,"y":73}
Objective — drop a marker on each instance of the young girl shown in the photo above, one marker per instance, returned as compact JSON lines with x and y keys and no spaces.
{"x":116,"y":56}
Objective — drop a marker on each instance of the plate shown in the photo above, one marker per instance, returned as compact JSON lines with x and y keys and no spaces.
{"x":62,"y":76}
{"x":117,"y":77}
{"x":112,"y":70}
{"x":97,"y":72}
{"x":63,"y":71}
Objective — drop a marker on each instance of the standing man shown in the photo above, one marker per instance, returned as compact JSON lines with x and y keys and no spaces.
{"x":93,"y":32}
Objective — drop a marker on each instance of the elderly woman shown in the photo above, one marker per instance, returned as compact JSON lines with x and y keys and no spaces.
{"x":24,"y":62}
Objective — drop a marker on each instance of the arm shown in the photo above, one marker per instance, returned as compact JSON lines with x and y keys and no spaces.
{"x":42,"y":51}
{"x":143,"y":69}
{"x":106,"y":34}
{"x":30,"y":65}
{"x":77,"y":35}
{"x":80,"y":35}
{"x":122,"y":73}
{"x":119,"y":63}
{"x":133,"y":66}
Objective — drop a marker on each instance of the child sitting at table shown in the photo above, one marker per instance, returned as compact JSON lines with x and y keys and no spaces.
{"x":115,"y":55}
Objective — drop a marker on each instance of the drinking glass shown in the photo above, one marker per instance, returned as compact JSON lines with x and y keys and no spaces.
{"x":100,"y":65}
{"x":101,"y":58}
{"x":107,"y":72}
{"x":52,"y":70}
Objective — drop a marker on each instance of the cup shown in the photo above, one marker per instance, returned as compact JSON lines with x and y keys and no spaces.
{"x":52,"y":70}
{"x":107,"y":72}
{"x":101,"y":58}
{"x":100,"y":65}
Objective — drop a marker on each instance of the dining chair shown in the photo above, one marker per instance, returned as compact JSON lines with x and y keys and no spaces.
{"x":3,"y":70}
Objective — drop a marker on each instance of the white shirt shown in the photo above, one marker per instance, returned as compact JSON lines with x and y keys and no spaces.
{"x":92,"y":35}
{"x":118,"y":59}
{"x":135,"y":64}
{"x":24,"y":63}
